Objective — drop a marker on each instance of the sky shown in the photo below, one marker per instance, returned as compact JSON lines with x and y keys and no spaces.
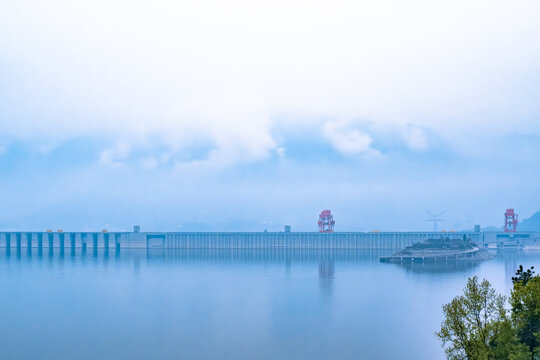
{"x":246,"y":115}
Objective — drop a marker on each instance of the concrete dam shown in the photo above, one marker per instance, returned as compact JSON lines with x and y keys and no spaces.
{"x":250,"y":240}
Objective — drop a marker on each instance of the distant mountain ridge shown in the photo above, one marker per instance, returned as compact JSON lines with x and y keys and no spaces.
{"x":530,"y":224}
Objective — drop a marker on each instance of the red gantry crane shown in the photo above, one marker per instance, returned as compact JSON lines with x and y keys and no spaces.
{"x":326,"y":221}
{"x":510,"y":221}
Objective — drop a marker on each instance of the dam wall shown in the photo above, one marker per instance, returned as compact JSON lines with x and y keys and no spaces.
{"x":220,"y":240}
{"x":252,"y":240}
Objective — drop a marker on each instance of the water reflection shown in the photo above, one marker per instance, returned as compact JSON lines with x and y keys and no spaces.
{"x":440,"y":267}
{"x":326,"y":269}
{"x":288,"y":266}
{"x":511,"y":259}
{"x":323,"y":260}
{"x":136,"y":265}
{"x":326,"y":277}
{"x":200,"y":304}
{"x":262,"y":255}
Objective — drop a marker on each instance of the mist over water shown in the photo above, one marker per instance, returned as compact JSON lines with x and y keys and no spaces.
{"x":230,"y":304}
{"x":144,"y":127}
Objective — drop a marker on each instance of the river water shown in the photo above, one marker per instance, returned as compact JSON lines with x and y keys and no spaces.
{"x":279,"y":304}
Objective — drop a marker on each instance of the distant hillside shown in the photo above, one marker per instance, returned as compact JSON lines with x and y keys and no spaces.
{"x":532,"y":223}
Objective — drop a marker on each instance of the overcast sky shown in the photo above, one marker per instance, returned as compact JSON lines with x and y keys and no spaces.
{"x":241,"y":115}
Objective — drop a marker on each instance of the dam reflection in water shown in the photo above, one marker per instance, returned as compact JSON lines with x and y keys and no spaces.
{"x":238,"y":304}
{"x":325,"y":260}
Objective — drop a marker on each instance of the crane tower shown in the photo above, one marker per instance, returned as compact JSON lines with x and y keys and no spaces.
{"x":510,"y":221}
{"x":326,"y":221}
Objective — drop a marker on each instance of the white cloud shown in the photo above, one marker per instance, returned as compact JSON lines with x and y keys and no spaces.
{"x":196,"y":86}
{"x":415,"y":137}
{"x":348,"y":140}
{"x":210,"y":71}
{"x":115,"y":156}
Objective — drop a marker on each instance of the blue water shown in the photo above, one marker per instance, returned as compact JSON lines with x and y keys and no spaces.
{"x":229,"y":304}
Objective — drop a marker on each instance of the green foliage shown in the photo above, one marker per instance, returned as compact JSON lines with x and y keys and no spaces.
{"x":443,"y":243}
{"x":505,"y":344}
{"x":470,"y":322}
{"x":525,"y":302}
{"x":476,"y":325}
{"x":523,"y":276}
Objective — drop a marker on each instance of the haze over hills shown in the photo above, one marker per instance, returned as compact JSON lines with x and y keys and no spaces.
{"x":249,"y":125}
{"x":532,"y":223}
{"x":529,"y":224}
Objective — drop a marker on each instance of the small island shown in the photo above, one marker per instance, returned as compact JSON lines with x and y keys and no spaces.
{"x":440,"y":250}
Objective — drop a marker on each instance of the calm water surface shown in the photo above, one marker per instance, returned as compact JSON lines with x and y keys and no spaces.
{"x":229,"y":304}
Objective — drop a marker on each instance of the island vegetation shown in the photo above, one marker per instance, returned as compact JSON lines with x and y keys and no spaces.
{"x":443,"y":243}
{"x":481,"y":324}
{"x":440,"y":249}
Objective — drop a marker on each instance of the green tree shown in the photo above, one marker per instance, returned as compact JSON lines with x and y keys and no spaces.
{"x":469,"y":325}
{"x":525,"y":302}
{"x":504,"y":344}
{"x":523,"y":276}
